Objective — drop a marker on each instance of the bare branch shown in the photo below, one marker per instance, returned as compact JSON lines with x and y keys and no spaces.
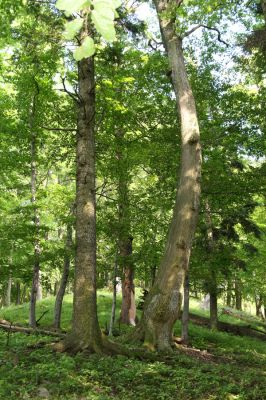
{"x":59,"y":129}
{"x":75,"y":97}
{"x":206,"y":27}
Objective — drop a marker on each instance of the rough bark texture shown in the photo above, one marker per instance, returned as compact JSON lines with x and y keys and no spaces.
{"x":163,"y":304}
{"x":85,"y":332}
{"x":185,"y":314}
{"x":37,"y":249}
{"x":62,"y":288}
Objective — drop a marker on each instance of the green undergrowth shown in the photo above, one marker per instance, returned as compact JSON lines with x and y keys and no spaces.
{"x":237,"y":370}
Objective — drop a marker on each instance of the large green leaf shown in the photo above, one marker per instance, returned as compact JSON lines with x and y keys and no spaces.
{"x":71,"y":6}
{"x":103,"y":18}
{"x":72,"y":28}
{"x":87,"y":49}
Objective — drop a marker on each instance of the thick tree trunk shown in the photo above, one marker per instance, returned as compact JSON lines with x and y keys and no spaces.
{"x":163,"y":304}
{"x":238,"y":294}
{"x":36,"y":219}
{"x":85,"y":332}
{"x":62,"y":288}
{"x":185,"y":314}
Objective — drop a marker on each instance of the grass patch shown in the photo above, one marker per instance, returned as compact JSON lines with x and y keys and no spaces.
{"x":26,"y":372}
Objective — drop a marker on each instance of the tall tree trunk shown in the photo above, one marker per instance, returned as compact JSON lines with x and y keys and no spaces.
{"x":36,"y":219}
{"x":8,"y":292}
{"x":238,"y":294}
{"x":85,"y":332}
{"x":185,"y":314}
{"x":62,"y":288}
{"x":163,"y":304}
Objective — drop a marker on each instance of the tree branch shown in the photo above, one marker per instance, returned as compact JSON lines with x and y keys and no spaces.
{"x":206,"y":27}
{"x":75,"y":97}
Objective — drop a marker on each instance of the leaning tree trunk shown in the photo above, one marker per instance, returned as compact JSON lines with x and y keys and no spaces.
{"x":163,"y":304}
{"x":85,"y":332}
{"x":36,"y":219}
{"x":63,"y":284}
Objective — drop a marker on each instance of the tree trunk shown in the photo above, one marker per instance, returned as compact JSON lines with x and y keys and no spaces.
{"x":212,"y":284}
{"x":85,"y":332}
{"x":112,"y":319}
{"x":64,"y":279}
{"x":8,"y":292}
{"x":213,"y":310}
{"x":238,"y":294}
{"x":18,"y":293}
{"x":229,"y":294}
{"x":36,"y":220}
{"x":259,"y":303}
{"x":128,"y":307}
{"x":185,"y":314}
{"x":163,"y":304}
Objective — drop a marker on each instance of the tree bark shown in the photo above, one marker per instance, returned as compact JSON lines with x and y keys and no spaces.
{"x":112,"y":319}
{"x":36,"y":219}
{"x":185,"y":314}
{"x":163,"y":304}
{"x":128,"y":307}
{"x":85,"y":332}
{"x":8,"y":292}
{"x":62,"y":288}
{"x":229,"y":294}
{"x":18,"y":293}
{"x":238,"y":294}
{"x":212,"y":283}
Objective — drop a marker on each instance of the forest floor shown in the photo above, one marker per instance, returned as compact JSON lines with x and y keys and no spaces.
{"x":217,"y":366}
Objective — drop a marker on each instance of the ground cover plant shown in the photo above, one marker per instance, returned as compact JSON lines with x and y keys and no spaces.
{"x":222,"y":366}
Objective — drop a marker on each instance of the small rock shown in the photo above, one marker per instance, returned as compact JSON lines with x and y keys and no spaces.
{"x":43,"y":392}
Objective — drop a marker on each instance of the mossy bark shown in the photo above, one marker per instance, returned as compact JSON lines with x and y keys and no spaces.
{"x":163,"y":304}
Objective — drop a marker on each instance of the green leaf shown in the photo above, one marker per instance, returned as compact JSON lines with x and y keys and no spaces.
{"x":72,"y":28}
{"x":87,"y":49}
{"x":71,"y":6}
{"x":103,"y":19}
